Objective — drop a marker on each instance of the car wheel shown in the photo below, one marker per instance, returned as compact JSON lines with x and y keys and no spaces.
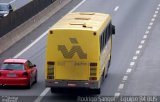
{"x":29,"y":84}
{"x":35,"y":81}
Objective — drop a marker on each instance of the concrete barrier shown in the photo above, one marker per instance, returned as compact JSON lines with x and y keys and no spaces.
{"x":21,"y":31}
{"x":22,"y":14}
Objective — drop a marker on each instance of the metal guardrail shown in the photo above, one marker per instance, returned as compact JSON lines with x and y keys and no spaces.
{"x":19,"y":16}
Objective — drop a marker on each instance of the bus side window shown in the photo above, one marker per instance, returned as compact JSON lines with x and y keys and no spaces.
{"x":101,"y":43}
{"x":104,"y":39}
{"x":107,"y":33}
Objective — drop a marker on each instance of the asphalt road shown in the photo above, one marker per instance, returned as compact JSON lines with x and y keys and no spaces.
{"x":134,"y":69}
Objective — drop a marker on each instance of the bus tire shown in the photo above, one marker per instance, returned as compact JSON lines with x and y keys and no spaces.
{"x":109,"y":62}
{"x":54,"y":90}
{"x":103,"y":75}
{"x":106,"y":73}
{"x":97,"y":91}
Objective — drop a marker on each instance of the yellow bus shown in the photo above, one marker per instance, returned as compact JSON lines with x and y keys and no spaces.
{"x":78,"y":52}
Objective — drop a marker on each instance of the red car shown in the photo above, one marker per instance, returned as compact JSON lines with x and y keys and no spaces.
{"x":18,"y":72}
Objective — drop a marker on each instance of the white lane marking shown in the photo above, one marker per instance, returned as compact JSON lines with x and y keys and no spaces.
{"x":116,"y":8}
{"x":42,"y":95}
{"x":138,"y":51}
{"x":147,"y":32}
{"x":33,"y":43}
{"x":12,"y":1}
{"x":154,"y":15}
{"x":152,"y":19}
{"x":134,"y":57}
{"x":77,"y":6}
{"x":151,"y":23}
{"x":140,"y":46}
{"x":129,"y":70}
{"x":143,"y":41}
{"x":121,"y":86}
{"x":156,"y":12}
{"x":145,"y":36}
{"x":39,"y":98}
{"x":44,"y":34}
{"x":117,"y":94}
{"x":149,"y":27}
{"x":132,"y":63}
{"x":125,"y":78}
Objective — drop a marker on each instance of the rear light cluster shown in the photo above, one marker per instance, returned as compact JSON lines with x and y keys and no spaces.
{"x":93,"y":71}
{"x":25,"y":74}
{"x":50,"y":68}
{"x":0,"y":74}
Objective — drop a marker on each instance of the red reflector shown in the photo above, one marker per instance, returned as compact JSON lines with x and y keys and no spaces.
{"x":72,"y":85}
{"x":93,"y":78}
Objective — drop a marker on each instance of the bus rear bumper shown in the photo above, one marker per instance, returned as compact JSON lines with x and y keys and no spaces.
{"x":72,"y":84}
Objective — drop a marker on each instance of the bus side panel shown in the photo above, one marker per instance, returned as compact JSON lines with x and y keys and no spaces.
{"x":105,"y":56}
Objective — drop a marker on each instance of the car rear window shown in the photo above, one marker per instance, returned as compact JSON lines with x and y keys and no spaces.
{"x":12,"y":66}
{"x":3,"y":7}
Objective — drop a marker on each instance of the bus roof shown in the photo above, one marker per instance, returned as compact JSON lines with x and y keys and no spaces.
{"x":83,"y":21}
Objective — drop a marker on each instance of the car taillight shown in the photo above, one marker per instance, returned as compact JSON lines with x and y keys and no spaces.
{"x":0,"y":74}
{"x":25,"y":74}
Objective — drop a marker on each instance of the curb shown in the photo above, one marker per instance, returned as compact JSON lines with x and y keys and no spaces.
{"x":21,"y":31}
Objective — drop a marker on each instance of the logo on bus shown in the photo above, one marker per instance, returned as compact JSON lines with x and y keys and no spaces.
{"x":69,"y":53}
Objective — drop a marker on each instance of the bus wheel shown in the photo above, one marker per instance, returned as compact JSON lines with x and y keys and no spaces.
{"x":54,"y":90}
{"x":106,"y":73}
{"x":109,"y":62}
{"x":96,"y":91}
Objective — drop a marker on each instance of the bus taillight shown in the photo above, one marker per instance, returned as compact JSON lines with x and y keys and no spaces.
{"x":93,"y":78}
{"x":93,"y":71}
{"x":50,"y":68}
